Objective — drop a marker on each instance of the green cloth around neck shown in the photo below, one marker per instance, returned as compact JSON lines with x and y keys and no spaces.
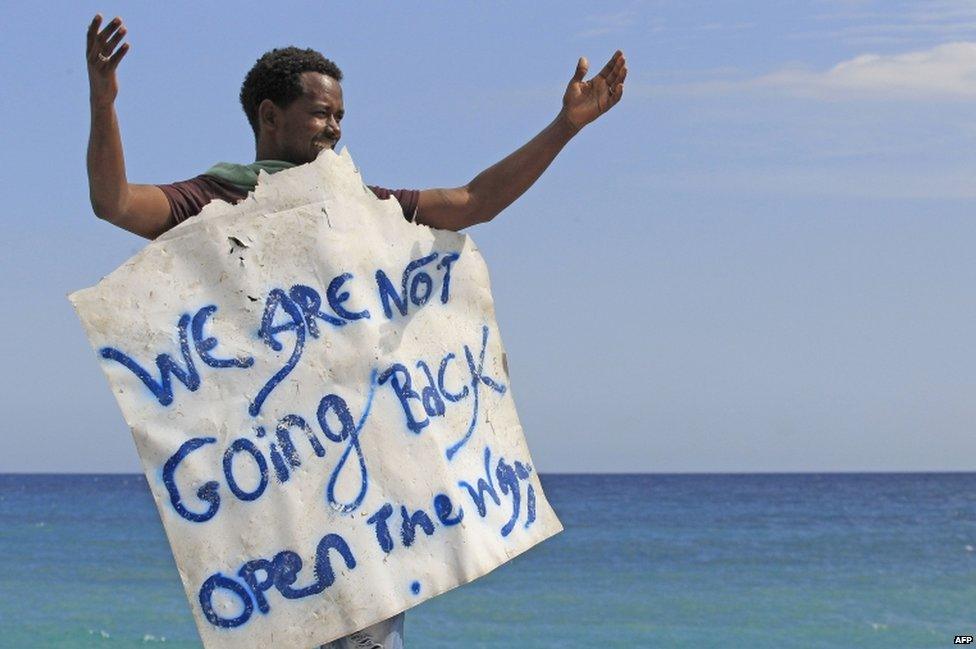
{"x":246,"y":176}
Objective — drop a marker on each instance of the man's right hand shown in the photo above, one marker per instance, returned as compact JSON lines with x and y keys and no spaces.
{"x":104,"y":55}
{"x":142,"y":209}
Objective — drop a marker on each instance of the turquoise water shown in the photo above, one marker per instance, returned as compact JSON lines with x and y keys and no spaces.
{"x":829,"y":560}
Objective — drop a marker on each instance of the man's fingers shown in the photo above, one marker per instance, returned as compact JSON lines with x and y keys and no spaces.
{"x":608,"y":68}
{"x":617,"y":76}
{"x":110,"y":28}
{"x":93,"y":29}
{"x":113,"y":61}
{"x":102,"y":44}
{"x":581,"y":67}
{"x":114,"y":41}
{"x":613,"y":76}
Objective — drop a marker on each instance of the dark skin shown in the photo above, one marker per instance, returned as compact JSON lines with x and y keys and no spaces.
{"x":299,"y":131}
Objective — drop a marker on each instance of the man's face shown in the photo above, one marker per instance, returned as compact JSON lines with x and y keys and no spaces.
{"x":310,"y":123}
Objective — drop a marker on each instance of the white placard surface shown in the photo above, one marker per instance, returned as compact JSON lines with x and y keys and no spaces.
{"x":320,"y":399}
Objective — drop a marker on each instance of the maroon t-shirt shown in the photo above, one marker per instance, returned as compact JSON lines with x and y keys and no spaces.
{"x":187,"y":198}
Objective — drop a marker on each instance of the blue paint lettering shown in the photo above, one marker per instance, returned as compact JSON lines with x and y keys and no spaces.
{"x":282,"y":472}
{"x":283,"y":435}
{"x":445,"y":264}
{"x":204,"y":344}
{"x":207,"y":493}
{"x":432,"y":397}
{"x":410,"y":522}
{"x":420,"y":288}
{"x":383,"y":536}
{"x":336,"y":298}
{"x":530,"y":507}
{"x":268,"y":332}
{"x":287,"y":566}
{"x":244,"y":445}
{"x":443,"y":508}
{"x":429,"y":396}
{"x":226,"y":583}
{"x":508,"y":482}
{"x":509,"y":477}
{"x":478,"y":378}
{"x":416,"y":284}
{"x":310,"y":303}
{"x":168,"y":368}
{"x":389,"y":292}
{"x":349,"y":433}
{"x":399,"y":378}
{"x":452,"y":397}
{"x":483,"y":487}
{"x":281,"y":572}
{"x":248,"y":573}
{"x":523,"y":471}
{"x":337,"y":424}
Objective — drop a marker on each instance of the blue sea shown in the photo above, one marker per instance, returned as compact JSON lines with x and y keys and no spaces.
{"x":791,"y":560}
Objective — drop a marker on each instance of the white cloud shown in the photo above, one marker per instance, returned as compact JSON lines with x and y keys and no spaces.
{"x":853,"y":181}
{"x":895,"y":21}
{"x":905,"y":33}
{"x":947,"y":70}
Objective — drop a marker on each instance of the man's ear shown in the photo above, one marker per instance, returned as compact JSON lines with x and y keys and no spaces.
{"x":267,"y":114}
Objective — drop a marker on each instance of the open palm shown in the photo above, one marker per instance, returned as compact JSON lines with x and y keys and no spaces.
{"x":584,"y":101}
{"x":104,"y":55}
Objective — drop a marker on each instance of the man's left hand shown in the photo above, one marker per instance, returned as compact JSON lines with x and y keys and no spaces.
{"x":584,"y":101}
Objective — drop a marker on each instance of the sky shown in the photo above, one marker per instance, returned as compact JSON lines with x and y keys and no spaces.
{"x":760,"y":261}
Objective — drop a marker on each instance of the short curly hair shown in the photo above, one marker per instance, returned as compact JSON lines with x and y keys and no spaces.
{"x":277,"y":76}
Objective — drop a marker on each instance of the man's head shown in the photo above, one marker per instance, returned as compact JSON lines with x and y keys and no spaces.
{"x":293,"y":101}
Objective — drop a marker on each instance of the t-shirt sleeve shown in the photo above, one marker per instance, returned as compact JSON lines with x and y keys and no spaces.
{"x":409,"y":199}
{"x":187,"y":197}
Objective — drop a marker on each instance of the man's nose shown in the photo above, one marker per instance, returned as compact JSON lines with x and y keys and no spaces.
{"x":332,"y":126}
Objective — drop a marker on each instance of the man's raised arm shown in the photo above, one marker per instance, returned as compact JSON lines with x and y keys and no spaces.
{"x":498,"y":186}
{"x":142,"y":209}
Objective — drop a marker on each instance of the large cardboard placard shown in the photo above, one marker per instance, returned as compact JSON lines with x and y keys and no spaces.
{"x":320,"y":399}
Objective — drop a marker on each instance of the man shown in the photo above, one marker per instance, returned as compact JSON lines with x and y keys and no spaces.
{"x":293,"y":101}
{"x":293,"y":133}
